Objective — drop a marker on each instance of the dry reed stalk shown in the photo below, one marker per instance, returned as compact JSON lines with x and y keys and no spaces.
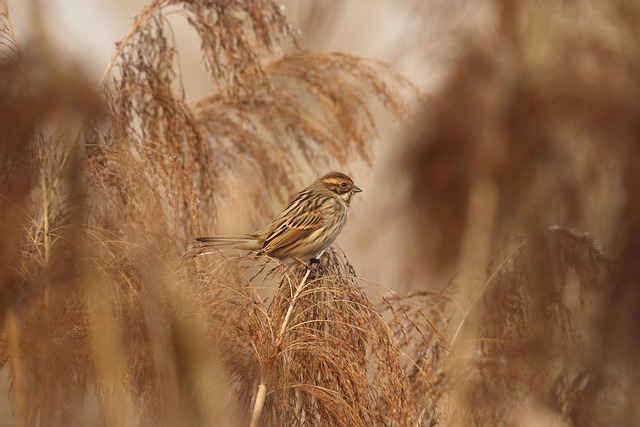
{"x":262,"y":388}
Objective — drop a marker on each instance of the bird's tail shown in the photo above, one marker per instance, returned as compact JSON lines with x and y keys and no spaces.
{"x":246,"y":242}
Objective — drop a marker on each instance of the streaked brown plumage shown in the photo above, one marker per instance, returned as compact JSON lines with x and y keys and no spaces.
{"x":310,"y":223}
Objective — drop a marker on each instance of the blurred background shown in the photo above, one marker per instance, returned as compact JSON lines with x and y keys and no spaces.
{"x":510,"y":189}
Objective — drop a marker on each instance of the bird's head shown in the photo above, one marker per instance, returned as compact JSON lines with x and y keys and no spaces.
{"x":340,"y":184}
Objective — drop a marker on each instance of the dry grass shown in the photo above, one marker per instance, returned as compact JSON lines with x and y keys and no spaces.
{"x":110,"y":317}
{"x":314,"y":342}
{"x":534,"y":135}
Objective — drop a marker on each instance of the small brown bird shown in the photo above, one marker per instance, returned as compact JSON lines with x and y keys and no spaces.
{"x":307,"y":227}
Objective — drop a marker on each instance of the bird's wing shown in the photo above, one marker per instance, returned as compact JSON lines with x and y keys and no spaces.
{"x":293,"y":229}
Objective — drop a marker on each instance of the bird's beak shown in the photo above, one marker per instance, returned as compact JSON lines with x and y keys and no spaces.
{"x":356,"y":189}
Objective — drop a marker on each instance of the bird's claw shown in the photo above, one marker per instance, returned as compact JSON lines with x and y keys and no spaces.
{"x":315,"y":266}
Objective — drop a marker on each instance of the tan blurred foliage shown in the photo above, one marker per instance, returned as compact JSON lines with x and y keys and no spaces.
{"x":496,"y":241}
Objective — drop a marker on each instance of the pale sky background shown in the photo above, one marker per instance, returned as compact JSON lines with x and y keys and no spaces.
{"x":89,"y":29}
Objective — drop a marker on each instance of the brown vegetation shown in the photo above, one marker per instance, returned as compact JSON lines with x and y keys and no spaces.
{"x":109,"y":315}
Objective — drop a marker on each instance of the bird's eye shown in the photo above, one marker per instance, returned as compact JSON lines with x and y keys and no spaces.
{"x":343,"y":184}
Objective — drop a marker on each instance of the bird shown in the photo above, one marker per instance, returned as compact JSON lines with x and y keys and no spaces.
{"x":305,"y":228}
